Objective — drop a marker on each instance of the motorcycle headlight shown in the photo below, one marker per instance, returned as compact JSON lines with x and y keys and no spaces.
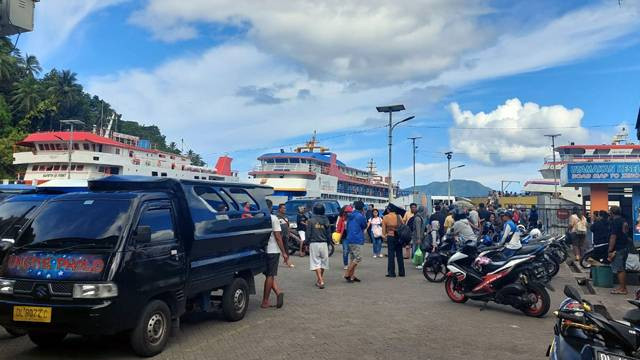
{"x":6,"y":286}
{"x":95,"y":291}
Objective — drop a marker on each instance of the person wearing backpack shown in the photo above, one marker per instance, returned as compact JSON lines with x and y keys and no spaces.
{"x":390,"y":225}
{"x":578,"y":230}
{"x":416,"y":224}
{"x":413,"y":209}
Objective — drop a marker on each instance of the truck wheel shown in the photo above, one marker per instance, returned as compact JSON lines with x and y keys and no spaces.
{"x":235,"y":300}
{"x":151,"y":334}
{"x":46,"y":339}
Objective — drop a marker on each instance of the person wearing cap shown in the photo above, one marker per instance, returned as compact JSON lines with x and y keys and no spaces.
{"x":510,"y":235}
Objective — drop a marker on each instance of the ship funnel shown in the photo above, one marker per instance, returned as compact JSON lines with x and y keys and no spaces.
{"x":223,"y":166}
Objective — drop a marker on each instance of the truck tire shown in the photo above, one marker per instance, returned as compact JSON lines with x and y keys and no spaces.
{"x":151,"y":334}
{"x":235,"y":300}
{"x":46,"y":339}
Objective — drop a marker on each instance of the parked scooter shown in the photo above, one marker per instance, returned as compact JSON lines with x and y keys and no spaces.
{"x":434,"y":267}
{"x":586,"y":331}
{"x":508,"y":282}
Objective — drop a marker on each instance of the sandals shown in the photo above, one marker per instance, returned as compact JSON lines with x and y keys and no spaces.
{"x":280,"y":301}
{"x":619,"y":292}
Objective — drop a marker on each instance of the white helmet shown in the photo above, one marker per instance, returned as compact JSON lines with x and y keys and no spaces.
{"x":522,"y":229}
{"x":535,"y":233}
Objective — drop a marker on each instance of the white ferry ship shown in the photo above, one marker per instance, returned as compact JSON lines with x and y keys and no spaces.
{"x":312,"y":171}
{"x":48,"y":157}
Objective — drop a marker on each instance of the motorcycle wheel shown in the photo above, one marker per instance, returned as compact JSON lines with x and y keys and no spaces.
{"x":332,"y":248}
{"x":434,"y":272}
{"x":584,"y":261}
{"x":560,"y":253}
{"x":542,"y":304}
{"x":551,"y":265}
{"x":454,"y":290}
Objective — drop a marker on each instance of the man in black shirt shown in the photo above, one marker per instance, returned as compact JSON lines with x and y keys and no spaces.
{"x":318,"y":237}
{"x":301,"y":225}
{"x":483,"y":213}
{"x":618,"y":248}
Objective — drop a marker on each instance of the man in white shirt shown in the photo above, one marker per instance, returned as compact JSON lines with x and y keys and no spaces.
{"x":275,"y":247}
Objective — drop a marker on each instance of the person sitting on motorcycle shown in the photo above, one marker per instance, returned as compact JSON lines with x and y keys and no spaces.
{"x":461,"y":228}
{"x":510,"y":235}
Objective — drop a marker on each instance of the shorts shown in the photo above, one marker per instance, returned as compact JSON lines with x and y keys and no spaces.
{"x":578,"y":239}
{"x":303,"y":236}
{"x":354,"y":252}
{"x":620,"y":261}
{"x":318,"y":256}
{"x":272,"y":265}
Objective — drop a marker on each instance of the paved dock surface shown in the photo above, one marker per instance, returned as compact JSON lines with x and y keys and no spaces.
{"x":380,"y":318}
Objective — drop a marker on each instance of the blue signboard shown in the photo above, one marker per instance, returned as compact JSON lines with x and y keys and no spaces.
{"x":601,"y":173}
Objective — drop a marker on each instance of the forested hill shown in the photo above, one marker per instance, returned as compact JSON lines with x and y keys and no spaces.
{"x":31,"y":101}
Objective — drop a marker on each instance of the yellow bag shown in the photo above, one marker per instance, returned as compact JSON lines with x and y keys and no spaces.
{"x":336,"y":237}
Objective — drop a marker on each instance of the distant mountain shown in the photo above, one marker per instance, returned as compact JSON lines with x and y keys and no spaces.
{"x":465,"y":188}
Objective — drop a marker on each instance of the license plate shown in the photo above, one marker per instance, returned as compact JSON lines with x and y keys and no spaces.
{"x":32,"y":314}
{"x":600,"y":355}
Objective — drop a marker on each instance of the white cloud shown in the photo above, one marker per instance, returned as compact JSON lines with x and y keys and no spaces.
{"x":573,"y":36}
{"x":235,"y":97}
{"x":368,"y":41}
{"x":55,"y":20}
{"x":518,"y":131}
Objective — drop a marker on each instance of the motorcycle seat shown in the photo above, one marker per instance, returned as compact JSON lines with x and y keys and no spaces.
{"x":528,"y":249}
{"x":633,"y":316}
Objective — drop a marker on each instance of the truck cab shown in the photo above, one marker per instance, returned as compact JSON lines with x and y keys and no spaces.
{"x":133,"y":255}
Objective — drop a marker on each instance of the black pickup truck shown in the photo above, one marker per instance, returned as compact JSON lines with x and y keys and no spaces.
{"x":132,"y":255}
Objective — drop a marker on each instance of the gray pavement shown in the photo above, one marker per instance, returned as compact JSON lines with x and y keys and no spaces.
{"x":380,"y":318}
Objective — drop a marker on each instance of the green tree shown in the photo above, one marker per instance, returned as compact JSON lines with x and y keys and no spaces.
{"x":26,"y":95}
{"x":30,"y":65}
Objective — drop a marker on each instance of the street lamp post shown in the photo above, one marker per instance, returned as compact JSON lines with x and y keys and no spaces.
{"x":413,"y":147}
{"x":555,"y":176}
{"x":449,"y":155}
{"x":391,"y":109}
{"x":71,"y":123}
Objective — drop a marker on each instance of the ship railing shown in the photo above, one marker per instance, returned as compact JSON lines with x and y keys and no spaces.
{"x":287,"y":167}
{"x":613,"y":157}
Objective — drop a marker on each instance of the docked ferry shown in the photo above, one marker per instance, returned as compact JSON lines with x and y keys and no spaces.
{"x":620,"y":150}
{"x":93,"y":155}
{"x":312,"y":171}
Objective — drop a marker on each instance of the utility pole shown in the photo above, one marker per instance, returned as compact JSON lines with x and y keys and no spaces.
{"x":414,"y":147}
{"x":449,"y":155}
{"x":71,"y":123}
{"x":555,"y":175}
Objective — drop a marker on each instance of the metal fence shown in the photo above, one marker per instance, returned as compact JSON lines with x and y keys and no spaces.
{"x":555,"y":217}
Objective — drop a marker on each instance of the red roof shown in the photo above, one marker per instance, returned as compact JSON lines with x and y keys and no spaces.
{"x":77,"y":136}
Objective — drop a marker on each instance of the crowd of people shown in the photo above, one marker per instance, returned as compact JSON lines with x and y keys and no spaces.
{"x":406,"y":231}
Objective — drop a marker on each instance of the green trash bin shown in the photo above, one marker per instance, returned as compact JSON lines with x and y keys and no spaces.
{"x":602,"y":276}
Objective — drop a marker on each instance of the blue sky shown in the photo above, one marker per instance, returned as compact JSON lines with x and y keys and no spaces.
{"x":246,"y":77}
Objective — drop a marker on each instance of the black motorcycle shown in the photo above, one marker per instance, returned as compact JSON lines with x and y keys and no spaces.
{"x":293,"y":244}
{"x":586,"y":331}
{"x":506,"y":282}
{"x":434,"y":267}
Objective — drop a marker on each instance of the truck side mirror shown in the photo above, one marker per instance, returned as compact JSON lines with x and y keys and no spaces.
{"x":142,"y":234}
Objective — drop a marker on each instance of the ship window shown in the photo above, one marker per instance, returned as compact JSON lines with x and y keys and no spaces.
{"x":40,"y":147}
{"x":242,"y":197}
{"x":64,"y":146}
{"x":96,"y":158}
{"x":163,"y":174}
{"x":100,"y":168}
{"x":281,"y":161}
{"x":76,"y":146}
{"x":601,"y":152}
{"x":154,"y":173}
{"x":56,"y":167}
{"x":64,"y":167}
{"x":45,"y":146}
{"x":41,"y":168}
{"x":34,"y":168}
{"x":270,"y":161}
{"x":117,"y":151}
{"x":49,"y":168}
{"x":294,"y":161}
{"x":58,"y":146}
{"x":73,"y":168}
{"x":304,"y":161}
{"x":197,"y":177}
{"x":79,"y":167}
{"x":85,"y":146}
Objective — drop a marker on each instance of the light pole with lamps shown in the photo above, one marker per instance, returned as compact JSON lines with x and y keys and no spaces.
{"x":413,"y":141}
{"x":391,"y":109}
{"x":71,"y":123}
{"x":555,"y":176}
{"x":449,"y":155}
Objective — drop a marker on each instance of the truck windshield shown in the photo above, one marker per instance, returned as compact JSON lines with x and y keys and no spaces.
{"x":72,"y":223}
{"x":13,"y":213}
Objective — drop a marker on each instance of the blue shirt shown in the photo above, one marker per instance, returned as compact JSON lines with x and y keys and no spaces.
{"x":356,"y":224}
